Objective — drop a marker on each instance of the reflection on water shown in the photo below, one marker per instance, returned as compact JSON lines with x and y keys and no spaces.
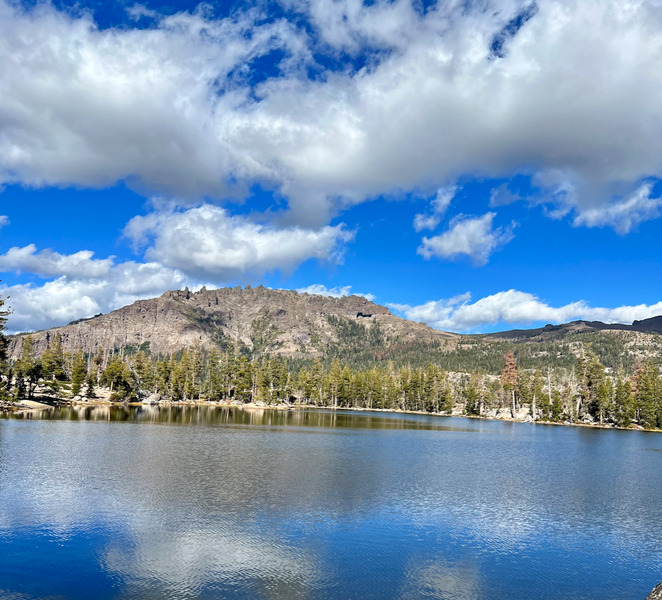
{"x":232,"y":503}
{"x":236,"y":415}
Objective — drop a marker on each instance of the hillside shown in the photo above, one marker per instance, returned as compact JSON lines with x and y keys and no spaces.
{"x":555,"y":332}
{"x":257,"y":320}
{"x":260,"y":322}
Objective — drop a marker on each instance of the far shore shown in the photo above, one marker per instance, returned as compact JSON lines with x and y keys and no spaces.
{"x":49,"y":402}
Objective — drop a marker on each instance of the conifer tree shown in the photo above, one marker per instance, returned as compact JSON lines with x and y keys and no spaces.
{"x":78,"y":373}
{"x":510,"y":379}
{"x":27,"y":369}
{"x":649,"y":396}
{"x":624,"y":403}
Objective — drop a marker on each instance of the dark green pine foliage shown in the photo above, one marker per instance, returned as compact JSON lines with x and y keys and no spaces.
{"x":78,"y":373}
{"x":27,"y":370}
{"x":624,"y":409}
{"x":649,"y":396}
{"x":231,"y":375}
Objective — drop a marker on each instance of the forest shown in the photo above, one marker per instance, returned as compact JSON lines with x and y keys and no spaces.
{"x":581,"y":391}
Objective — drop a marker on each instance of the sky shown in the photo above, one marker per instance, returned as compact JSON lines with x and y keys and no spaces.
{"x":477,"y":165}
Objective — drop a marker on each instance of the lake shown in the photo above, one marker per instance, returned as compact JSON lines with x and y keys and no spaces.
{"x":208,"y":502}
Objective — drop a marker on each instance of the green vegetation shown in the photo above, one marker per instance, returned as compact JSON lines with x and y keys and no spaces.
{"x":596,"y":377}
{"x":586,"y":391}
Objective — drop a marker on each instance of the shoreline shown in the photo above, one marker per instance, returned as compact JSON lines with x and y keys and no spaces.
{"x":38,"y":406}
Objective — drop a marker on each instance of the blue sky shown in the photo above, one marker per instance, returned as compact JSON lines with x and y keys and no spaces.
{"x":474,"y":165}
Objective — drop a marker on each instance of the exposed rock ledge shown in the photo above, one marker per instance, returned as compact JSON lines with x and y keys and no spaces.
{"x":656,"y":594}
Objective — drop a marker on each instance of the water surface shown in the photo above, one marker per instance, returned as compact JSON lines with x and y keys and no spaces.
{"x":205,"y":502}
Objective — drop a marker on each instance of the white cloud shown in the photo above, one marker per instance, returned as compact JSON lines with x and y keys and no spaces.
{"x":90,"y":107}
{"x":170,"y":108}
{"x":4,"y":220}
{"x":438,"y":208}
{"x":513,"y":306}
{"x":502,"y":196}
{"x":64,"y":299}
{"x":473,"y":237}
{"x":47,"y":263}
{"x":207,"y":242}
{"x":192,"y":247}
{"x":625,"y":214}
{"x":334,"y":292}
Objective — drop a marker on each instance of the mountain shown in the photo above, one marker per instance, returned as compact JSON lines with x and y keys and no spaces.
{"x":555,"y":332}
{"x":260,"y":321}
{"x":257,"y":320}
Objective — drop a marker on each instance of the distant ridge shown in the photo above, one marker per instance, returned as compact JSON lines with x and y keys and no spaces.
{"x":552,"y":332}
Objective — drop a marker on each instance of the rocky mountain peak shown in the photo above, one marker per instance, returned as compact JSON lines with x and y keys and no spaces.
{"x":261,"y":319}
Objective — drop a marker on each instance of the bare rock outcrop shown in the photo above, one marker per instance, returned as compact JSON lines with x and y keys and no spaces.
{"x":266,"y":321}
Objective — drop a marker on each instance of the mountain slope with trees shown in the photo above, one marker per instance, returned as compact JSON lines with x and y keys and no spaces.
{"x":258,"y":321}
{"x":276,"y":347}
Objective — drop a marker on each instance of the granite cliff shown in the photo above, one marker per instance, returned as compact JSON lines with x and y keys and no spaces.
{"x":260,"y":320}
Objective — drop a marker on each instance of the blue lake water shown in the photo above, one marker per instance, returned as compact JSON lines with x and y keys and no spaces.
{"x":204,"y":502}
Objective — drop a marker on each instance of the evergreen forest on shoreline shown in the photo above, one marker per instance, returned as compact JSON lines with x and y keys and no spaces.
{"x":588,"y":392}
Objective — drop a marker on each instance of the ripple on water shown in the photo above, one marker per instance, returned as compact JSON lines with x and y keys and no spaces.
{"x":221,"y":503}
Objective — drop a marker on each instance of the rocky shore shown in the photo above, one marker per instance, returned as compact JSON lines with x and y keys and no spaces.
{"x":42,"y":401}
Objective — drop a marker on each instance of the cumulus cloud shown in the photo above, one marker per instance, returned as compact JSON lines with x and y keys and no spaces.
{"x":207,"y":242}
{"x":438,"y":208}
{"x":91,"y":107}
{"x":66,"y":298}
{"x":474,"y":237}
{"x":48,"y":263}
{"x":174,"y":108}
{"x":334,"y":292}
{"x":204,"y":245}
{"x":624,"y":214}
{"x":513,"y":306}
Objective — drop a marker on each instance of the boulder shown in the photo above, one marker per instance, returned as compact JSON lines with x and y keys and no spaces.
{"x":152,"y":399}
{"x":656,"y":594}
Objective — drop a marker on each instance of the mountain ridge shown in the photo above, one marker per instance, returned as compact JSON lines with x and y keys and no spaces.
{"x":261,"y":320}
{"x":258,"y":321}
{"x":549,"y":331}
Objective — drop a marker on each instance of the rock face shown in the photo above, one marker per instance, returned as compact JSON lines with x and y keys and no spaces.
{"x":656,"y":594}
{"x":266,"y":321}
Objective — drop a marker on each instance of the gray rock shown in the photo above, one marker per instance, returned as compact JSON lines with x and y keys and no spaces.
{"x":279,"y":321}
{"x":656,"y":594}
{"x":153,"y":399}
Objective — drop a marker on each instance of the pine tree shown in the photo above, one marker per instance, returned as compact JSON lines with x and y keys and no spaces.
{"x":649,"y":396}
{"x":510,"y":380}
{"x":78,"y":373}
{"x":120,"y":379}
{"x":27,"y":369}
{"x":557,"y":406}
{"x":145,"y":374}
{"x":53,"y":361}
{"x":624,"y":403}
{"x":538,"y":396}
{"x":472,"y":396}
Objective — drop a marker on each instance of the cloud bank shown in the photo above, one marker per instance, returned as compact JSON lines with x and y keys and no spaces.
{"x":206,"y":242}
{"x":418,"y":99}
{"x":515,"y":307}
{"x":203,"y":245}
{"x":66,"y":298}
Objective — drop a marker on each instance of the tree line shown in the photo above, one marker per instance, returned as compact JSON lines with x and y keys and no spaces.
{"x":587,"y":391}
